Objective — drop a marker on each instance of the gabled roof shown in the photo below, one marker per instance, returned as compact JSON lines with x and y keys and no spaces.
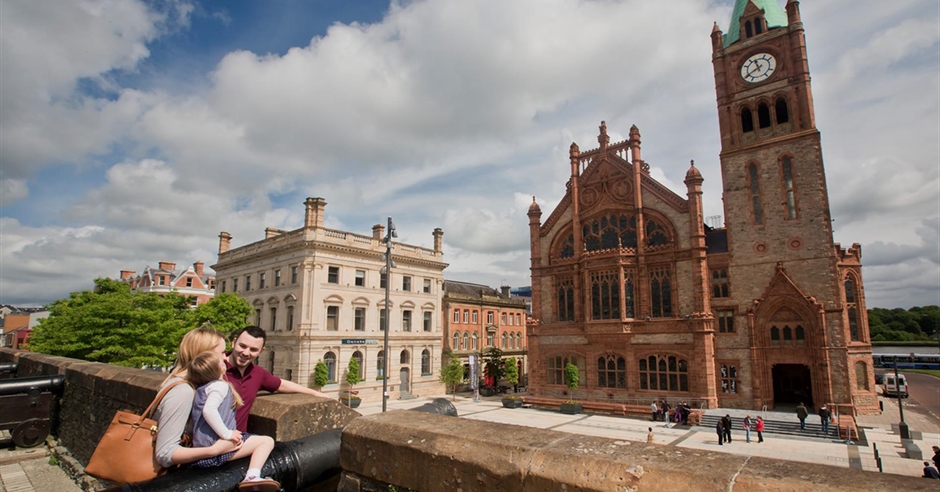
{"x":469,"y":289}
{"x":773,"y":12}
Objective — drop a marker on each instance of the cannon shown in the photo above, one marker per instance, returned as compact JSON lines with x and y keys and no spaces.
{"x":7,"y":370}
{"x":26,"y":406}
{"x":299,"y":465}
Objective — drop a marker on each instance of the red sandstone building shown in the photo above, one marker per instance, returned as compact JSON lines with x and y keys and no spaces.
{"x":166,"y":278}
{"x":477,"y":317}
{"x":630,"y":284}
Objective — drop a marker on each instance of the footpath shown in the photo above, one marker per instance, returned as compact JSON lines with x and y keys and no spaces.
{"x":35,"y":469}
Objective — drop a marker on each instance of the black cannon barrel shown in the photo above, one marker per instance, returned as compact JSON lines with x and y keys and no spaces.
{"x":17,"y":386}
{"x":8,"y":367}
{"x":297,"y":465}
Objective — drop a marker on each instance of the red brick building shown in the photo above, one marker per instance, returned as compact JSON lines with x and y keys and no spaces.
{"x":630,"y":284}
{"x":192,"y":281}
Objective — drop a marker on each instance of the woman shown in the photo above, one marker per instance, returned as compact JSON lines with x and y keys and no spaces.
{"x":173,"y":411}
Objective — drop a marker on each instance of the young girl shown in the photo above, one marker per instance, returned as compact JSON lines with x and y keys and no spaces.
{"x":213,"y":418}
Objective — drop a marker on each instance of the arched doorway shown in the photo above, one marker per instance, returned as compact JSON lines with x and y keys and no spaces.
{"x":792,"y":385}
{"x":404,"y":379}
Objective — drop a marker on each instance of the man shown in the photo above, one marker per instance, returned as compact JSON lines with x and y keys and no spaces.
{"x":802,"y":413}
{"x":248,"y":378}
{"x":726,"y":427}
{"x":655,"y":411}
{"x":936,"y":457}
{"x":930,"y":472}
{"x":824,"y":416}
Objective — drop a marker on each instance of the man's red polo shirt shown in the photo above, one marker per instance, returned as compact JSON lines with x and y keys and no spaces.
{"x":255,"y":379}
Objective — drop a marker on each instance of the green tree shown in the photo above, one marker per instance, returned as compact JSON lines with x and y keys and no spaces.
{"x":452,"y":374}
{"x":226,"y":312}
{"x":512,"y":371}
{"x":572,"y":378}
{"x":493,"y":365}
{"x":114,"y":325}
{"x":352,"y":377}
{"x":321,"y":375}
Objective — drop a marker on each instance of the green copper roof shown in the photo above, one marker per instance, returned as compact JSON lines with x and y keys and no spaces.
{"x":776,"y":17}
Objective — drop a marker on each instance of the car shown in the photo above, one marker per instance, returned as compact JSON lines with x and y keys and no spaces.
{"x":879,"y":377}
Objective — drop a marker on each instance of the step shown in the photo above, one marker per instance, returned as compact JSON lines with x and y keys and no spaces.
{"x":813,"y":429}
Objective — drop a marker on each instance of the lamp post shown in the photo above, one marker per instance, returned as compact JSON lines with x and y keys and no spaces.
{"x":902,"y":426}
{"x":388,"y":284}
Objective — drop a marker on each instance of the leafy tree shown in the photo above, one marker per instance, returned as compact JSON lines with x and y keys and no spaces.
{"x":493,"y":364}
{"x":352,"y":377}
{"x":572,"y":378}
{"x":321,"y":375}
{"x":898,"y":325}
{"x":512,"y":371}
{"x":226,"y":312}
{"x":452,"y":374}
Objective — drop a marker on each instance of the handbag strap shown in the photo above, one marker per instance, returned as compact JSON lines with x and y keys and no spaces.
{"x":148,"y":413}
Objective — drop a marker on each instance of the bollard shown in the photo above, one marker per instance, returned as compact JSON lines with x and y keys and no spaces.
{"x":298,"y":465}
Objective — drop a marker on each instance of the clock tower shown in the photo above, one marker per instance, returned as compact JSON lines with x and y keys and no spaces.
{"x":798,"y":293}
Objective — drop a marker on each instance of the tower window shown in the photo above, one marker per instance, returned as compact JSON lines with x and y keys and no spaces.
{"x":566,"y":301}
{"x":758,"y":25}
{"x":747,"y":121}
{"x":763,"y":116}
{"x":755,"y":194}
{"x":605,"y":295}
{"x":852,"y":309}
{"x":748,"y":31}
{"x":660,"y":292}
{"x":720,"y":283}
{"x":628,"y":294}
{"x":780,"y":107}
{"x":790,"y":194}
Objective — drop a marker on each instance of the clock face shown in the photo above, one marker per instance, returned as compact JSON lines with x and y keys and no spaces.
{"x":758,"y":67}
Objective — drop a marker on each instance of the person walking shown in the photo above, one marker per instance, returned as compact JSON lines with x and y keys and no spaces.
{"x":759,"y":427}
{"x":936,"y":457}
{"x":726,"y":427}
{"x":802,"y":413}
{"x":824,"y":416}
{"x":720,"y":430}
{"x":747,"y":428}
{"x":654,"y":410}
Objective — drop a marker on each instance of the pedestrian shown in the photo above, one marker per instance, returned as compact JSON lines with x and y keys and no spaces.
{"x":759,"y":427}
{"x":930,"y":472}
{"x":649,"y":436}
{"x":747,"y":428}
{"x":655,"y":411}
{"x":936,"y":457}
{"x":802,"y":413}
{"x":720,"y":429}
{"x":726,"y":427}
{"x":824,"y":416}
{"x":664,"y":405}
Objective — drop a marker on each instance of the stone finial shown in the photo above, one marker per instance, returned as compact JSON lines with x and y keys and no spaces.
{"x":534,"y":207}
{"x":574,"y":151}
{"x":602,"y":138}
{"x":634,"y":132}
{"x":692,"y":174}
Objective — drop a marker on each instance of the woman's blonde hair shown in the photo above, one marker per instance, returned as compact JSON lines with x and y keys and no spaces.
{"x":194,"y":343}
{"x":207,"y":367}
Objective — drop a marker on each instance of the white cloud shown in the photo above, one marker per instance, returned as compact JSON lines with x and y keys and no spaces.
{"x":12,"y":190}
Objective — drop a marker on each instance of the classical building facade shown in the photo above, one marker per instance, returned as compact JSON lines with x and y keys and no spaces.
{"x":320,"y":295}
{"x":630,"y":284}
{"x":191,"y":281}
{"x":477,"y":317}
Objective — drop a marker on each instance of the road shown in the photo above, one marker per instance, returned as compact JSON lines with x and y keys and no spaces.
{"x":924,"y":397}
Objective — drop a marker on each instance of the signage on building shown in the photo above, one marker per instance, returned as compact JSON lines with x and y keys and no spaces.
{"x":359,"y":341}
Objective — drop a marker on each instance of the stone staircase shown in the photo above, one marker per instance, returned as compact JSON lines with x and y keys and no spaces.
{"x":789,"y":427}
{"x":405,"y":395}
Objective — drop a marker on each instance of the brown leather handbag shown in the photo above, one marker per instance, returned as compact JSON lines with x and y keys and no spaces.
{"x":125,"y":453}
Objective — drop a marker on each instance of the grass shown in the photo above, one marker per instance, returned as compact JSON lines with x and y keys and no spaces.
{"x":930,"y":372}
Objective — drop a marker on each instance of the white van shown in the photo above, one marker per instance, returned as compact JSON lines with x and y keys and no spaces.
{"x":890,"y":387}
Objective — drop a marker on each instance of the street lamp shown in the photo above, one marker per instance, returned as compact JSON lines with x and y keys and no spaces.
{"x":388,"y":284}
{"x":902,"y":426}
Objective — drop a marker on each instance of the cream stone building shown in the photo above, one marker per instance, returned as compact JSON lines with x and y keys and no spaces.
{"x":320,"y":295}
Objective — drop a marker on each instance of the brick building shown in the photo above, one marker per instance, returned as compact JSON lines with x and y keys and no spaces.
{"x":319,"y":294}
{"x":191,"y":281}
{"x":630,"y":284}
{"x":477,"y":317}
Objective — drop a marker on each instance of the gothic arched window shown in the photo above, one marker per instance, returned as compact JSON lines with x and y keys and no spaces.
{"x":605,"y":295}
{"x":851,"y":307}
{"x":660,"y":292}
{"x":755,"y":194}
{"x":783,"y":114}
{"x":763,"y":116}
{"x":610,"y":232}
{"x":748,"y":31}
{"x":758,"y":25}
{"x":655,"y":234}
{"x":628,"y":294}
{"x":566,"y":300}
{"x":567,"y":248}
{"x":664,"y":373}
{"x":788,"y":187}
{"x":747,"y":120}
{"x":611,"y":372}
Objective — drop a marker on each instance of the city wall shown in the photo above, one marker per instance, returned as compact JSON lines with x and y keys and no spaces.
{"x":430,"y":453}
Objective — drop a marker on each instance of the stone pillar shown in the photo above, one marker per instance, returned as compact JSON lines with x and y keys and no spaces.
{"x":438,"y":240}
{"x":378,"y":232}
{"x":313,"y":216}
{"x":535,"y":252}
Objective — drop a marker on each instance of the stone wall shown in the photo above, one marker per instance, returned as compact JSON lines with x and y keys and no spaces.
{"x":430,"y":453}
{"x":95,"y":391}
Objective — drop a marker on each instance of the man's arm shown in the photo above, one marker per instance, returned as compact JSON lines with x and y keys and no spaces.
{"x":292,"y":387}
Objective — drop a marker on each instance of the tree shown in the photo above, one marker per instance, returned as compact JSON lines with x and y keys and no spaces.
{"x":321,"y":375}
{"x":114,"y":325}
{"x":512,"y":372}
{"x":452,"y":374}
{"x":493,"y":365}
{"x":571,"y":380}
{"x":352,"y":377}
{"x":226,"y":312}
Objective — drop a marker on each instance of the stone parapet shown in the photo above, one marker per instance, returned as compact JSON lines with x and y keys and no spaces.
{"x":95,"y":391}
{"x":426,"y":453}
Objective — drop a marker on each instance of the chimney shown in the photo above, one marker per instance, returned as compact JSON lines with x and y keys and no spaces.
{"x":270,"y":232}
{"x":378,"y":232}
{"x":198,"y":268}
{"x":167,"y":265}
{"x":314,"y":212}
{"x":225,"y":242}
{"x":438,"y":239}
{"x":126,"y":274}
{"x":505,"y":291}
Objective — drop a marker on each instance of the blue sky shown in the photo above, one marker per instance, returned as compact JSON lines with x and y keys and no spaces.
{"x":133,"y":132}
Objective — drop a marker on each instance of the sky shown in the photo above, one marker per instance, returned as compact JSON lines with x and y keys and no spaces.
{"x":136,"y":131}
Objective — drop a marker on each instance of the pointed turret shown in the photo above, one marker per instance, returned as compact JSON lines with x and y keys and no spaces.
{"x":773,"y":15}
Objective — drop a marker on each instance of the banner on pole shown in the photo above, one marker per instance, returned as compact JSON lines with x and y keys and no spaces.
{"x":474,"y":376}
